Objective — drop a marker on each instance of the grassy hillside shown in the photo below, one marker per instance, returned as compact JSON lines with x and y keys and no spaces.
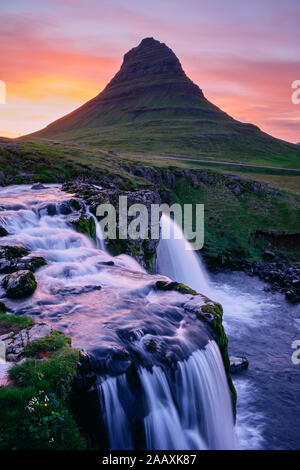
{"x":233,"y":222}
{"x":23,"y":162}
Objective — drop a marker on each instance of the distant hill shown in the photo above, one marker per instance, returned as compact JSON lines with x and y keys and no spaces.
{"x":152,"y":107}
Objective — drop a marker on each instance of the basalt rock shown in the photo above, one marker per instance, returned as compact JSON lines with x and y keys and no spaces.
{"x":38,"y":186}
{"x":15,"y":343}
{"x":279,"y":273}
{"x":3,"y":232}
{"x":143,"y":250}
{"x":84,"y":223}
{"x":19,"y":284}
{"x":238,"y":364}
{"x":14,"y":258}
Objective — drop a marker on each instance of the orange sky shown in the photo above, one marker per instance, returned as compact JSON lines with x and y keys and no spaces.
{"x":244,"y":57}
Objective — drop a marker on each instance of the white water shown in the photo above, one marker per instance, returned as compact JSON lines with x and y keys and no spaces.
{"x":177,"y":260}
{"x":114,"y":414}
{"x":192,"y":412}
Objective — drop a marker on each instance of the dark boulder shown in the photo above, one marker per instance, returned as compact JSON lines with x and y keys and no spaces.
{"x":38,"y":186}
{"x":3,"y":232}
{"x":19,"y":284}
{"x":238,"y":364}
{"x":268,"y":256}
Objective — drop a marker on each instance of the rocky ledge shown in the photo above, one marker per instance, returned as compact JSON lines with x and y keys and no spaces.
{"x":142,"y":250}
{"x":279,"y":274}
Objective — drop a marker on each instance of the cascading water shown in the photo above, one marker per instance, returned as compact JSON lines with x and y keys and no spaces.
{"x":177,"y":260}
{"x":110,"y":306}
{"x":191,"y":411}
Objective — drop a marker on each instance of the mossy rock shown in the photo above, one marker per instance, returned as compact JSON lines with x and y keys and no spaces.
{"x":175,"y":286}
{"x":2,"y":307}
{"x":86,"y":225}
{"x":151,"y":346}
{"x":36,"y":262}
{"x":13,"y":252}
{"x":19,"y":284}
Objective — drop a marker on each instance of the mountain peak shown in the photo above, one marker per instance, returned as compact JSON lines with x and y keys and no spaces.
{"x":150,"y":58}
{"x":151,"y":106}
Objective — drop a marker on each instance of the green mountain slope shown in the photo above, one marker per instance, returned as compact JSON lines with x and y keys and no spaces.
{"x":152,"y":107}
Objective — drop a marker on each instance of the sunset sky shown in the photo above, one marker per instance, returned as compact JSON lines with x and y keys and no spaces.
{"x":57,"y":54}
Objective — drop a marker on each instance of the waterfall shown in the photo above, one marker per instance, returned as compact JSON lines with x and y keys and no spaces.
{"x":177,"y":260}
{"x":100,"y":243}
{"x":189,"y":412}
{"x":113,"y":413}
{"x":103,"y":302}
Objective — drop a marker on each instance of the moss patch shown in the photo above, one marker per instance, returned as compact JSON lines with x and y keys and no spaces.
{"x":14,"y":323}
{"x":86,"y":225}
{"x":177,"y":286}
{"x":50,"y":343}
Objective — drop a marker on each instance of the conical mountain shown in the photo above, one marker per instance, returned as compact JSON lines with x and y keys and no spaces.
{"x":151,"y":106}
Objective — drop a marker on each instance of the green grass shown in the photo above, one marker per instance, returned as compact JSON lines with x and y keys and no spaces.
{"x":49,"y":163}
{"x":35,"y":411}
{"x":231,"y":221}
{"x":52,"y":342}
{"x":14,"y":323}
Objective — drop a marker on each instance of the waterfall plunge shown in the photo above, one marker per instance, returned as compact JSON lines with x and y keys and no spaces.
{"x":191,"y":412}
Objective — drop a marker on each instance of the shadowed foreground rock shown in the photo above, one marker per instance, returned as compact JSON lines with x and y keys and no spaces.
{"x":19,"y":284}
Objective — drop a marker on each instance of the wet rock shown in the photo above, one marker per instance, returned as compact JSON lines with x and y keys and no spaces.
{"x":6,"y":266}
{"x":31,"y":263}
{"x":38,"y":331}
{"x":84,"y":223}
{"x":10,"y":264}
{"x":16,"y":343}
{"x":151,"y":346}
{"x":293,"y":295}
{"x":19,"y":284}
{"x":12,"y":252}
{"x":9,"y":258}
{"x":238,"y":364}
{"x":3,"y":232}
{"x":47,"y":209}
{"x":38,"y":186}
{"x":268,"y":256}
{"x":176,"y":286}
